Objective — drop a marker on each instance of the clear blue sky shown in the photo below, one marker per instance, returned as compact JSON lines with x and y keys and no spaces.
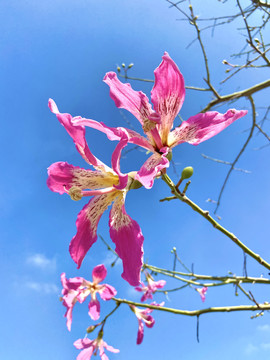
{"x":62,"y":49}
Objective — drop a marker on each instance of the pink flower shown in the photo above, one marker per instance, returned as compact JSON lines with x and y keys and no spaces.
{"x":150,"y":288}
{"x":90,"y":347}
{"x":77,"y":289}
{"x":143,"y":318}
{"x":167,"y":97}
{"x":202,"y":292}
{"x":106,"y":185}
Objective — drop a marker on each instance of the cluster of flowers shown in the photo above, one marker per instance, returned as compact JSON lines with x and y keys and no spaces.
{"x":109,"y":186}
{"x":78,"y":289}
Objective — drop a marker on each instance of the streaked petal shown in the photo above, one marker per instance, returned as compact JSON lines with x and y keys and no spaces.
{"x":168,"y":94}
{"x":86,"y":223}
{"x":128,"y":238}
{"x":153,"y":165}
{"x":107,"y":292}
{"x":62,"y":176}
{"x":125,"y":97}
{"x":83,"y":343}
{"x":78,"y":135}
{"x":203,"y":126}
{"x":94,"y":309}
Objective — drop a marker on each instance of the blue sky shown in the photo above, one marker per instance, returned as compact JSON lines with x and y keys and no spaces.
{"x":61,"y":50}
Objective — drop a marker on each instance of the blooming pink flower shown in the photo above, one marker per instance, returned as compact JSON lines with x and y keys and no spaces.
{"x":202,"y":292}
{"x":150,"y":288}
{"x":106,"y":185}
{"x":90,"y":347}
{"x":77,"y":289}
{"x":167,"y":97}
{"x":143,"y":318}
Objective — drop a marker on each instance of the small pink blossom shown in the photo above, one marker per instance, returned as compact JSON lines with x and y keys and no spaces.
{"x":107,"y":186}
{"x":202,"y":292}
{"x":77,"y":289}
{"x":143,"y":318}
{"x":150,"y":288}
{"x":91,"y":347}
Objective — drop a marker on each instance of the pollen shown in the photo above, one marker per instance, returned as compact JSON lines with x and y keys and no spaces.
{"x":75,"y":193}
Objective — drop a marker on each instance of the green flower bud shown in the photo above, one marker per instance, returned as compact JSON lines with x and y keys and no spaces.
{"x":118,"y":69}
{"x":187,"y":172}
{"x":123,"y":65}
{"x":130,"y":65}
{"x":90,"y":329}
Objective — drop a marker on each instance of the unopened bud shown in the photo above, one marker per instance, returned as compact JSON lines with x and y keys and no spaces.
{"x":228,"y":70}
{"x":257,"y":40}
{"x":75,"y":193}
{"x":130,"y":65}
{"x":123,"y":65}
{"x":174,"y":249}
{"x":118,"y":69}
{"x":90,"y":329}
{"x":187,"y":172}
{"x":225,"y":62}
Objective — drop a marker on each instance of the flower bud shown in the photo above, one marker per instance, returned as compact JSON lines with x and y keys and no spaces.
{"x":130,"y":65}
{"x":90,"y":329}
{"x":187,"y":172}
{"x":123,"y":65}
{"x":118,"y":69}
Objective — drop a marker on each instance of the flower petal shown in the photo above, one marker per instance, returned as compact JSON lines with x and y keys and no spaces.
{"x":160,"y":284}
{"x":86,"y":223}
{"x":140,"y":332}
{"x":107,"y":292}
{"x":99,"y":273}
{"x":203,"y":126}
{"x":128,"y":238}
{"x":152,"y":166}
{"x":94,"y":309}
{"x":115,"y":133}
{"x":78,"y":135}
{"x":83,"y":343}
{"x":168,"y":94}
{"x":116,"y":155}
{"x":62,"y":176}
{"x":125,"y":97}
{"x":110,"y":348}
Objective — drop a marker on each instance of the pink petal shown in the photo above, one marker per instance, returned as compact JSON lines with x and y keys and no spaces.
{"x":140,"y":332}
{"x":107,"y":292}
{"x":125,"y":97}
{"x":116,"y":155}
{"x":168,"y":93}
{"x":86,"y":223}
{"x":153,"y":165}
{"x":203,"y":126}
{"x":146,"y":296}
{"x":110,"y":348}
{"x":85,"y":354}
{"x":78,"y":135}
{"x":149,"y":321}
{"x":128,"y":238}
{"x":99,"y":273}
{"x":83,"y":343}
{"x":160,"y":284}
{"x":94,"y":309}
{"x":115,"y":133}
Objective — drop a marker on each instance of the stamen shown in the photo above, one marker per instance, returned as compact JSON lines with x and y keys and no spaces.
{"x":75,"y":193}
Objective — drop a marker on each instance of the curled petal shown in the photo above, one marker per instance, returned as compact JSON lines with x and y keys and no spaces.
{"x":115,"y":133}
{"x":168,"y":94}
{"x":149,"y":321}
{"x":99,"y":273}
{"x":203,"y":126}
{"x":153,"y":165}
{"x":140,"y":332}
{"x":62,"y":176}
{"x":107,"y":292}
{"x":86,"y":223}
{"x":128,"y":238}
{"x":78,"y":135}
{"x":94,"y":309}
{"x":125,"y":97}
{"x":123,"y":179}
